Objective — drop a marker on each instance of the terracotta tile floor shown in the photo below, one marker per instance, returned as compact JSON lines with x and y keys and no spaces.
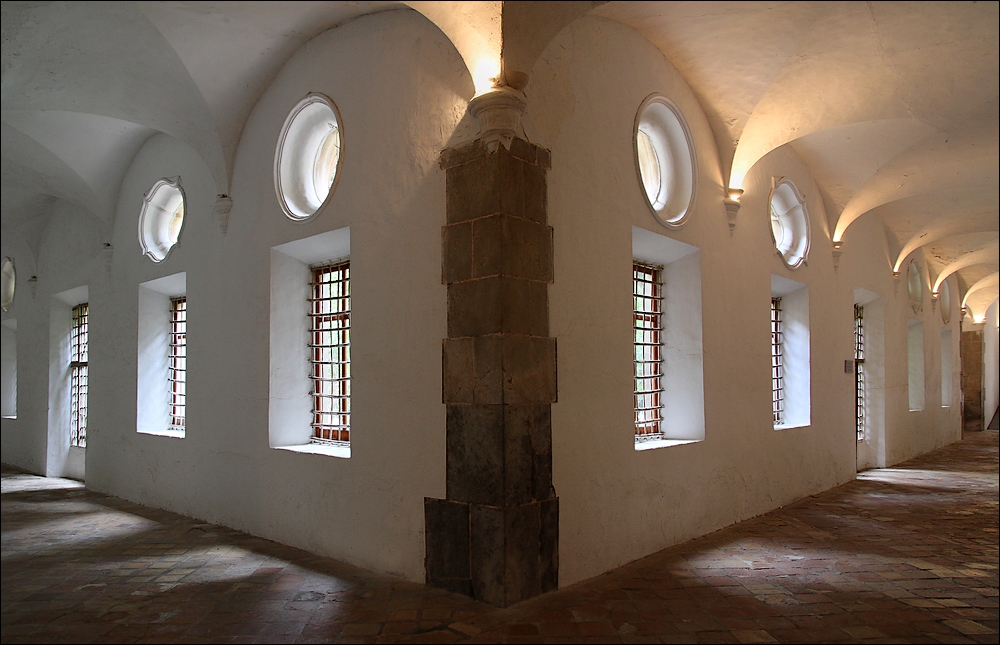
{"x":901,"y":555}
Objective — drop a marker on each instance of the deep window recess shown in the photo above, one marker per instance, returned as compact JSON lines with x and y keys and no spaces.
{"x":859,"y":369}
{"x":177,"y":376}
{"x":647,"y":315}
{"x":330,"y":352}
{"x":78,"y":376}
{"x":777,"y":364}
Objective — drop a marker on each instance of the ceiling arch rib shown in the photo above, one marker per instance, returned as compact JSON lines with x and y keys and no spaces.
{"x":983,"y":255}
{"x":878,"y":70}
{"x":26,"y":213}
{"x":107,"y":60}
{"x":31,"y":168}
{"x":232,"y":50}
{"x":935,"y":164}
{"x":981,"y":295}
{"x":97,"y":149}
{"x":475,"y":29}
{"x":947,"y":225}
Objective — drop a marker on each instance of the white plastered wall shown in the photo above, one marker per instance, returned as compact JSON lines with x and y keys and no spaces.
{"x":991,"y":362}
{"x":617,"y":504}
{"x":401,"y":89}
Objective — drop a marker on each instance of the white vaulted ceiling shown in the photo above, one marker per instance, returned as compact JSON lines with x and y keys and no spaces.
{"x":892,"y":105}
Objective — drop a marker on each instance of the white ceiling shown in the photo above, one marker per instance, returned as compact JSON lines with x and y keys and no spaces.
{"x":892,"y":105}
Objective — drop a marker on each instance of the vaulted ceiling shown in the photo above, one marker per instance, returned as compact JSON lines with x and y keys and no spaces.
{"x":892,"y":105}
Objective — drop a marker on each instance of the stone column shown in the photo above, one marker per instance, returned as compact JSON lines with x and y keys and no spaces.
{"x":971,"y":348}
{"x":495,"y":536}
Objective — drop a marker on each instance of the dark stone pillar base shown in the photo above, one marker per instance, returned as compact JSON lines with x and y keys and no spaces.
{"x":499,"y":555}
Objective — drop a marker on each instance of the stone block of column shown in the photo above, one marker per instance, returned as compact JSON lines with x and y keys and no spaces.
{"x":481,"y":183}
{"x":549,"y":555}
{"x":503,"y":244}
{"x":474,"y":462}
{"x":529,"y":369}
{"x":506,"y":552}
{"x":497,"y":305}
{"x":475,"y":308}
{"x":527,"y":453}
{"x":447,"y":540}
{"x":473,"y":370}
{"x":499,"y":455}
{"x":456,"y":240}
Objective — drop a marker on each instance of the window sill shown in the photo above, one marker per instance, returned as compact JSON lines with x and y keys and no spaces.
{"x":173,"y":434}
{"x":791,"y":427}
{"x":343,"y":452}
{"x":653,"y":444}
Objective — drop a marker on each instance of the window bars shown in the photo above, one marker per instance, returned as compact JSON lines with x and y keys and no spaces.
{"x":859,"y":370}
{"x":330,"y":351}
{"x":647,"y":316}
{"x":777,"y":364}
{"x":78,"y":358}
{"x":177,"y":376}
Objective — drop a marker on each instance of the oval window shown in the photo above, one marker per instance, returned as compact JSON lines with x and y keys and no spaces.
{"x":915,"y":286}
{"x":789,"y":223}
{"x":8,"y":280}
{"x":307,"y":158}
{"x":161,"y":218}
{"x":945,"y":298}
{"x":665,"y":160}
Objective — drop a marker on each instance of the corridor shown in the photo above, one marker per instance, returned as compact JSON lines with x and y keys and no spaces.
{"x":904,"y":554}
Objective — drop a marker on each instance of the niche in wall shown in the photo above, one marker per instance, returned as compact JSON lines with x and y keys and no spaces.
{"x":62,"y":459}
{"x":915,"y":286}
{"x":796,"y":374}
{"x":683,"y":398}
{"x":8,"y":369}
{"x":290,"y":401}
{"x":915,"y":364}
{"x":945,"y":302}
{"x":947,"y":366}
{"x":8,"y":283}
{"x":153,"y":414}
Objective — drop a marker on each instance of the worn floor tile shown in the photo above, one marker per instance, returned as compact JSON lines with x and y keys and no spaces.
{"x":906,"y":554}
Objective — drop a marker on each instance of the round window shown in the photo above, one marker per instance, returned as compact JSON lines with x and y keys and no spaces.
{"x":944,"y":296}
{"x":665,"y":160}
{"x":7,"y":283}
{"x":161,"y":218}
{"x":789,"y":223}
{"x":307,"y":158}
{"x":915,"y":286}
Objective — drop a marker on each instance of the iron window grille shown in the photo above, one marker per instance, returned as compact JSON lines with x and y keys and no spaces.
{"x":177,"y":377}
{"x":777,"y":363}
{"x":79,"y":355}
{"x":859,"y":370}
{"x":647,"y":317}
{"x":330,"y":352}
